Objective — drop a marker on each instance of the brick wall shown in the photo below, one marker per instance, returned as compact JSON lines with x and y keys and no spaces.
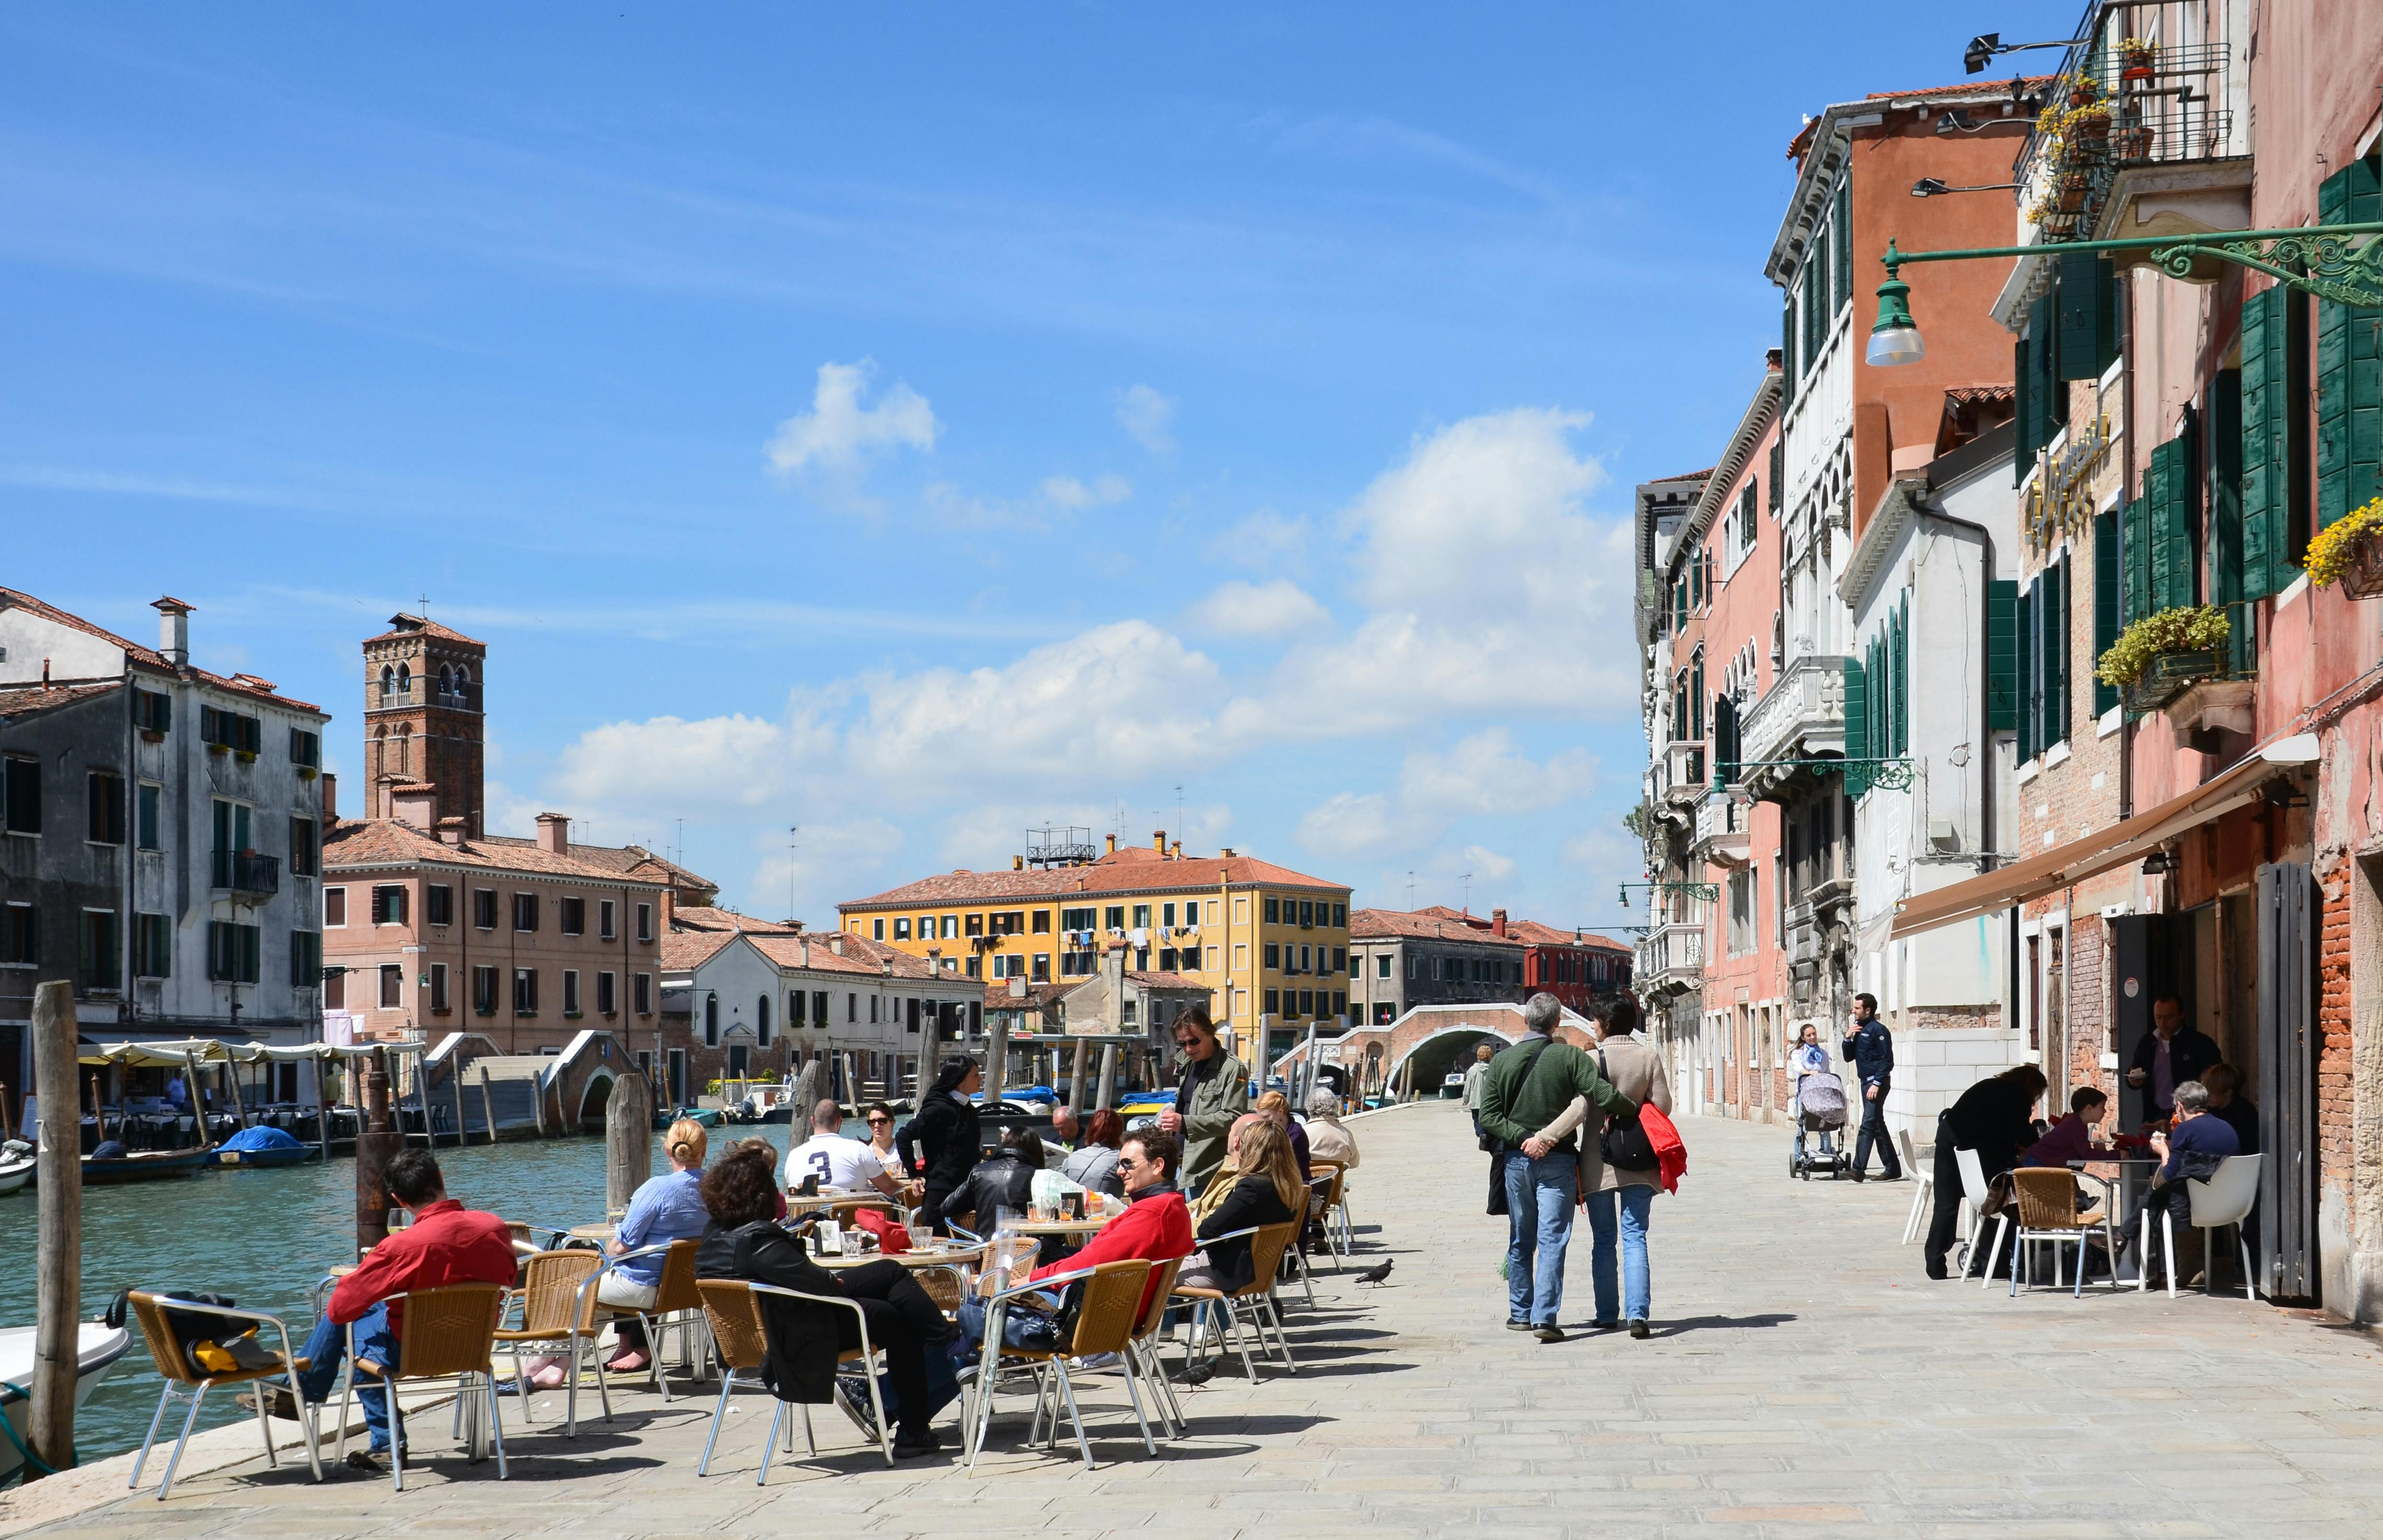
{"x":2336,"y":1086}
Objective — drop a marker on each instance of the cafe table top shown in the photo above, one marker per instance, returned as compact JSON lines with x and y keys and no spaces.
{"x":960,"y":1256}
{"x":1089,"y":1225}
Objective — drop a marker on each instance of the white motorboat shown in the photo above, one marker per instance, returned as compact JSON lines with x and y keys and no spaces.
{"x":16,"y":1170}
{"x":100,"y":1347}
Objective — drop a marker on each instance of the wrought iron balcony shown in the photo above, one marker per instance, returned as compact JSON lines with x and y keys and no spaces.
{"x":246,"y":871}
{"x":1802,"y":716}
{"x":1672,"y":959}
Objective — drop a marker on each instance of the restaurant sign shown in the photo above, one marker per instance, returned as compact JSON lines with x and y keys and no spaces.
{"x":2061,"y":501}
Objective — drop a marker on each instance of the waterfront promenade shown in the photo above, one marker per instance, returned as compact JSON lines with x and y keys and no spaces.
{"x":1804,"y":1379}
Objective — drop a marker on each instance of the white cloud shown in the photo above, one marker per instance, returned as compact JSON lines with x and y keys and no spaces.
{"x":1239,"y":608}
{"x":1486,"y":865}
{"x":1146,"y":417}
{"x":840,"y":434}
{"x":1072,"y":495}
{"x":829,"y":862}
{"x":1265,"y":541}
{"x":1485,"y":773}
{"x":1351,"y":825}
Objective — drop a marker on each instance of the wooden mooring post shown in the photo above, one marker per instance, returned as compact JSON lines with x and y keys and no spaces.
{"x":629,"y":1140}
{"x":377,"y":1141}
{"x":58,"y":1328}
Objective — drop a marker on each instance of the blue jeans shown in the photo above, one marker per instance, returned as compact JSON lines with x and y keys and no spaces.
{"x":1539,"y":1209}
{"x":328,"y":1347}
{"x":1633,"y":1204}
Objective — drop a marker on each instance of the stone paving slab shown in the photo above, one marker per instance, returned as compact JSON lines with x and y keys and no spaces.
{"x":1804,"y":1380}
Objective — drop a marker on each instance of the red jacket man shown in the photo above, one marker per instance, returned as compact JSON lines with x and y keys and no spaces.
{"x":1155,"y":1224}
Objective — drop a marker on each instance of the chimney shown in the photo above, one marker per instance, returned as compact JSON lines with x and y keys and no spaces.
{"x":807,"y":952}
{"x":450,"y":831}
{"x":836,"y":945}
{"x":1175,"y":850}
{"x":330,"y":787}
{"x":1017,"y":863}
{"x":173,"y":630}
{"x":554,"y":833}
{"x":45,"y":673}
{"x":670,"y":907}
{"x":413,"y":803}
{"x":1016,"y":986}
{"x":1227,"y":853}
{"x":1158,"y":841}
{"x":1497,"y":922}
{"x":1113,"y":964}
{"x":1112,"y":845}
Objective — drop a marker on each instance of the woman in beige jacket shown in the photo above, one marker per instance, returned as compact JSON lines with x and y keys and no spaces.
{"x":1619,"y":1201}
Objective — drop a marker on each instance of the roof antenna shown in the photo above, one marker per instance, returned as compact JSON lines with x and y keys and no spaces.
{"x":1468,"y":893}
{"x":791,"y":845}
{"x":1411,"y":892}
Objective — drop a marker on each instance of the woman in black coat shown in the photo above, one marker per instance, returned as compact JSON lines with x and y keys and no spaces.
{"x":944,"y":1135}
{"x":1267,"y":1191}
{"x":744,"y":1242}
{"x":1996,"y":1118}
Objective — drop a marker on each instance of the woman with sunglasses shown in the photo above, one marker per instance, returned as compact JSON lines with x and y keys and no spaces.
{"x":880,"y":1118}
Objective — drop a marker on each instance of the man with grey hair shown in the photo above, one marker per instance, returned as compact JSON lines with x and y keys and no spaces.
{"x":2190,"y":1149}
{"x":1529,"y":1086}
{"x":1327,"y":1137}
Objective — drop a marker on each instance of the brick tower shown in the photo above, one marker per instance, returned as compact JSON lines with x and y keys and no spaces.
{"x":423,"y":721}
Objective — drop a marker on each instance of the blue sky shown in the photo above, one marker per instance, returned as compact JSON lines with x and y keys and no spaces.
{"x":914,"y":424}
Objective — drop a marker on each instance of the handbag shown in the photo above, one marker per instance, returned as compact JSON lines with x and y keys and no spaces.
{"x":1623,"y":1144}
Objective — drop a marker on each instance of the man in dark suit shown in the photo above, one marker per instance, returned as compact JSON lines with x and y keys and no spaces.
{"x":2170,"y":1054}
{"x":1869,"y":1048}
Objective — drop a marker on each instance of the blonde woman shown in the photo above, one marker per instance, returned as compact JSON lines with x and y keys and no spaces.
{"x":667,"y":1208}
{"x":1277,"y":1107}
{"x":1220,"y":1186}
{"x":1267,"y":1191}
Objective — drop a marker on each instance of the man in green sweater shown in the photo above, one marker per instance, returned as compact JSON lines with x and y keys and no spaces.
{"x":1214,"y":1091}
{"x":1529,"y":1084}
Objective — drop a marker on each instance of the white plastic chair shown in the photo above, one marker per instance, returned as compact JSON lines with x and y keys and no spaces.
{"x":1924,"y":1178}
{"x":1973,"y":1189}
{"x":2226,"y":1199}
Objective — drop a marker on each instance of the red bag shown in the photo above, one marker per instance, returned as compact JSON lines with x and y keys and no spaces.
{"x":1671,"y":1154}
{"x":892,"y":1239}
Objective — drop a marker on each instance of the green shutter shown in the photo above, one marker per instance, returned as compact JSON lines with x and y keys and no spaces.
{"x":2023,"y":442}
{"x":2057,"y":646}
{"x":2002,"y":655}
{"x":2349,"y":364}
{"x":2088,"y":330}
{"x":2224,"y":540}
{"x":2047,"y":400}
{"x":2106,"y":603}
{"x":2025,"y":632}
{"x":2169,"y":489}
{"x":1902,"y":675}
{"x":1842,"y":243}
{"x":1788,"y":349}
{"x":2136,"y":557}
{"x":1857,"y":711}
{"x":2263,"y":451}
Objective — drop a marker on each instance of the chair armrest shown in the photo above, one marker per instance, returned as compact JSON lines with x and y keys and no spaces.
{"x":592,"y":1279}
{"x":257,"y":1317}
{"x":1231,"y":1235}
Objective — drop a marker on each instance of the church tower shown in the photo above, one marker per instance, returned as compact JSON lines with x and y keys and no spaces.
{"x":423,"y":721}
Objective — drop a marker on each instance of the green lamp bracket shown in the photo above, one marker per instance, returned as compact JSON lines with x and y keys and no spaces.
{"x":1708,"y":891}
{"x":2317,"y":259}
{"x":1861,"y":774}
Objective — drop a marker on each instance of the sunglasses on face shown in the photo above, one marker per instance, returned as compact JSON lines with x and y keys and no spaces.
{"x":881,"y":1123}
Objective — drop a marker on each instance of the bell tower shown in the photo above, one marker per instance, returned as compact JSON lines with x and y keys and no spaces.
{"x":423,"y":719}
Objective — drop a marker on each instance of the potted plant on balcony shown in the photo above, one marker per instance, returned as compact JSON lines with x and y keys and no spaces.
{"x":2350,"y":551}
{"x":2088,"y":125}
{"x":2084,"y":90}
{"x":2160,"y":656}
{"x":2134,"y":140}
{"x":2137,"y":57}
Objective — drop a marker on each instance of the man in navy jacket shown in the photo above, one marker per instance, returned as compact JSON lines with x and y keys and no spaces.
{"x":1869,"y":1048}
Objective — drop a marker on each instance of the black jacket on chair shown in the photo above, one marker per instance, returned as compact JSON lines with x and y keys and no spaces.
{"x":1000,"y":1182}
{"x":801,"y":1363}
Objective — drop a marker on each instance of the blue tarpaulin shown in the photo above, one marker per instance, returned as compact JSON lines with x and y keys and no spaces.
{"x":260,"y":1137}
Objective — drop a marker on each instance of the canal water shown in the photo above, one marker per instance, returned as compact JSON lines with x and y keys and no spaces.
{"x":264,"y":1238}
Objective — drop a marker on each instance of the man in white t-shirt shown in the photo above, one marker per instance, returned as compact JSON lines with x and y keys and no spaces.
{"x":845,"y":1163}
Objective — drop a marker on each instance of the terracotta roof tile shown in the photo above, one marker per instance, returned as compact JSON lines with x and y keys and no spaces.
{"x":1117,"y":874}
{"x":862,"y":956}
{"x":1438,"y":922}
{"x":691,"y":916}
{"x":20,"y":702}
{"x":403,"y":625}
{"x":356,"y":842}
{"x":620,"y":860}
{"x":149,"y":659}
{"x":685,"y":951}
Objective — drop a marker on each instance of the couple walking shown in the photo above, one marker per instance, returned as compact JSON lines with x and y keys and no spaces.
{"x":1544,"y":1107}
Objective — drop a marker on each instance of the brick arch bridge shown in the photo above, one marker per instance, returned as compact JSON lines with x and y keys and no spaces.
{"x":1433,"y":1040}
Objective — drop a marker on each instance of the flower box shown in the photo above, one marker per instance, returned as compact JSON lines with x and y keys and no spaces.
{"x":2363,"y":577}
{"x":2169,"y":677}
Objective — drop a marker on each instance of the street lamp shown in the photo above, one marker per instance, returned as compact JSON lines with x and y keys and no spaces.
{"x":1936,"y":187}
{"x":1895,"y":339}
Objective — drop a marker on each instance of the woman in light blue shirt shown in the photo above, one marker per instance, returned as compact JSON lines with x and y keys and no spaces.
{"x":666,"y":1208}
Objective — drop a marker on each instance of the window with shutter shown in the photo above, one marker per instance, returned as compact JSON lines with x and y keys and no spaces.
{"x":2026,"y":695}
{"x":2088,"y":323}
{"x":2047,"y":400}
{"x":2169,"y":489}
{"x":1788,"y":349}
{"x":2349,"y":364}
{"x":2055,"y":643}
{"x":1840,"y":245}
{"x":1816,"y":324}
{"x":2135,"y":561}
{"x":1903,"y":677}
{"x":1778,"y":488}
{"x":2274,"y":444}
{"x":2002,"y":655}
{"x":1856,"y":709}
{"x":2023,"y":441}
{"x":2106,"y":603}
{"x":2223,"y":474}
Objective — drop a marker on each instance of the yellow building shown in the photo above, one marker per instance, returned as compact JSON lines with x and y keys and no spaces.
{"x":1270,"y":944}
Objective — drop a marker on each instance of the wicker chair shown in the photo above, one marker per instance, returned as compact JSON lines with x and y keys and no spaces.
{"x":549,"y":1309}
{"x":676,"y":1307}
{"x":742,"y":1342}
{"x":1255,"y":1297}
{"x":1108,"y":1315}
{"x":184,"y":1378}
{"x":2046,"y":1199}
{"x":1146,"y":1334}
{"x":1335,"y":1208}
{"x":451,"y":1333}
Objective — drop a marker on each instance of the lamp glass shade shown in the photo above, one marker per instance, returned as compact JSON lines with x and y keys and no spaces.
{"x":1894,"y":345}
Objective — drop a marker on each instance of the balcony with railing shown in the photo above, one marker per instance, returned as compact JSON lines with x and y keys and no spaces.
{"x":1724,"y":833}
{"x":1672,"y":958}
{"x":245,"y":872}
{"x":1802,"y":716}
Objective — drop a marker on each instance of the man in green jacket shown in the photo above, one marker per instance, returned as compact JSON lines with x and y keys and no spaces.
{"x":1529,"y":1084}
{"x":1215,"y":1090}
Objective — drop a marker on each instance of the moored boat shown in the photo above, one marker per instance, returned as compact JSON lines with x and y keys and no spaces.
{"x":16,"y":1165}
{"x":141,"y":1165}
{"x":260,"y":1146}
{"x":100,"y":1346}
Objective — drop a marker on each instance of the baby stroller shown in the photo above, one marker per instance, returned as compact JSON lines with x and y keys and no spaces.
{"x":1820,"y":1110}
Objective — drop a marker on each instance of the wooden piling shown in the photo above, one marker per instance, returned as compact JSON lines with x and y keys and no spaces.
{"x":488,"y":1103}
{"x":57,"y":1348}
{"x":198,"y":1102}
{"x":997,"y":1062}
{"x":629,"y":1140}
{"x":455,"y":1079}
{"x":1076,"y":1057}
{"x":1106,"y":1096}
{"x":377,"y":1141}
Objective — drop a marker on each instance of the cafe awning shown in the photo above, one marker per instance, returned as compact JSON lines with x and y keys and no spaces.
{"x":2131,"y":840}
{"x":149,"y":1051}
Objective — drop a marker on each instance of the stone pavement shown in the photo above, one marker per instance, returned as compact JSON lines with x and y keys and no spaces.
{"x":1805,"y":1380}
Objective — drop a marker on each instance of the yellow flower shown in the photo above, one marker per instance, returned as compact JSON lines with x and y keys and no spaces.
{"x":2334,"y":549}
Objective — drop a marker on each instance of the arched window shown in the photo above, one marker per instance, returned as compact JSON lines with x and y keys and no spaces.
{"x":446,"y":682}
{"x":405,"y":681}
{"x":388,"y":683}
{"x":711,"y":1021}
{"x":463,"y":680}
{"x":761,"y":1022}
